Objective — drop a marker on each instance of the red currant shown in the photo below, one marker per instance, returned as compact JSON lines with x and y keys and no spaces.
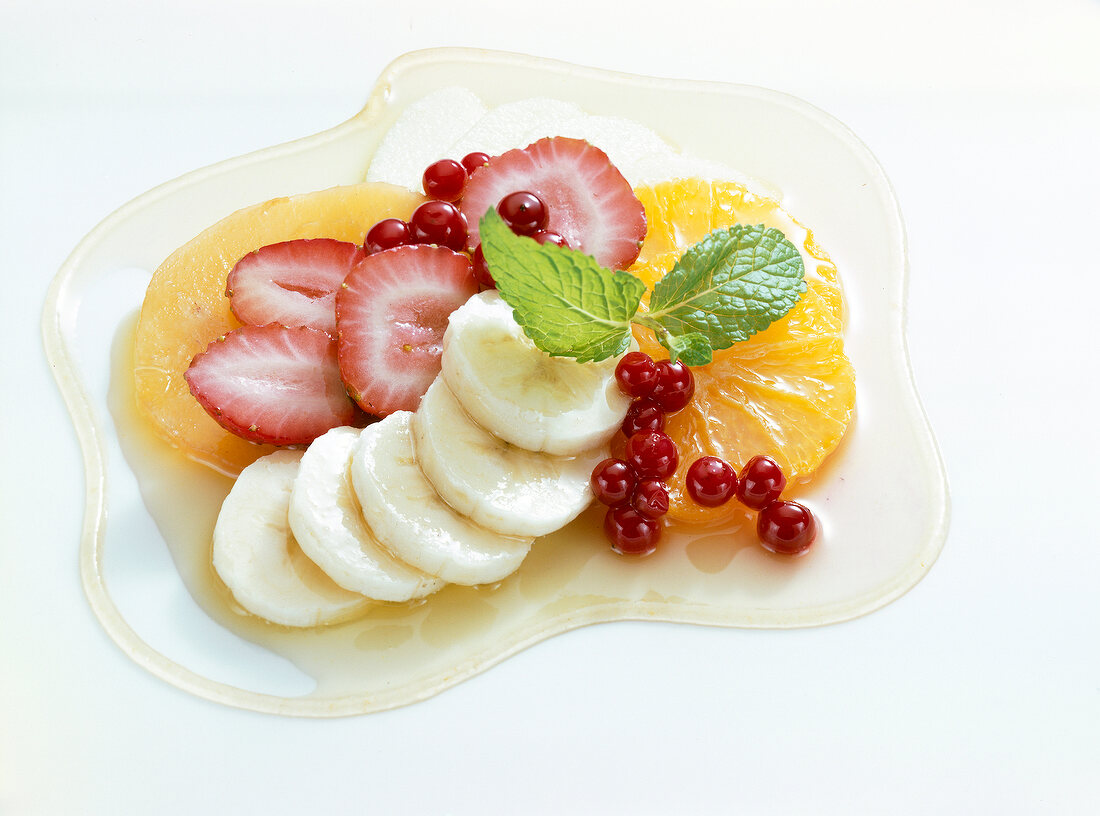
{"x":445,"y":180}
{"x":525,"y":213}
{"x":472,"y":161}
{"x":786,"y":527}
{"x":550,"y":237}
{"x":711,"y":481}
{"x":612,"y":482}
{"x":760,"y":483}
{"x":674,"y":387}
{"x":631,"y":533}
{"x":387,"y":234}
{"x":643,"y":415}
{"x":439,"y":222}
{"x":637,"y":374}
{"x":481,"y":269}
{"x":652,"y":454}
{"x":650,"y":498}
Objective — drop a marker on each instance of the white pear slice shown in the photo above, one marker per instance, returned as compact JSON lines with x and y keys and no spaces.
{"x":328,"y":524}
{"x":623,"y":141}
{"x":258,"y":559}
{"x":422,"y":134}
{"x":413,"y":522}
{"x":512,"y":125}
{"x":519,"y":392}
{"x":499,"y":486}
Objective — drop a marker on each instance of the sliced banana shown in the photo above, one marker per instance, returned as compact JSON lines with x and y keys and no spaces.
{"x":413,"y":522}
{"x":507,"y":489}
{"x":329,"y":526}
{"x":257,"y":557}
{"x":522,"y":394}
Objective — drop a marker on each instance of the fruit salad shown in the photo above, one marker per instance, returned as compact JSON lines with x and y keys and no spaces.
{"x":523,"y":310}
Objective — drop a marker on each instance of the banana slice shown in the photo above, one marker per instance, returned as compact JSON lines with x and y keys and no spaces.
{"x":329,"y":526}
{"x":522,"y":394}
{"x":499,"y":486}
{"x":409,"y":518}
{"x":258,"y":559}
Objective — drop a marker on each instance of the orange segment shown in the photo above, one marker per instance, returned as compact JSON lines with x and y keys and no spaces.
{"x":787,"y":392}
{"x":185,"y":306}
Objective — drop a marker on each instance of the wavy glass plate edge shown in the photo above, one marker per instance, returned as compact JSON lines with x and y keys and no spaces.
{"x":339,"y":151}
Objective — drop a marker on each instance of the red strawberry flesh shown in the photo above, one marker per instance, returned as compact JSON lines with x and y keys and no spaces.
{"x":272,"y":384}
{"x":391,"y":313}
{"x":590,"y":204}
{"x":293,"y":283}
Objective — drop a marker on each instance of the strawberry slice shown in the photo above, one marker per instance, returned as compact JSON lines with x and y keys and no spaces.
{"x":391,"y":313}
{"x":293,"y":283}
{"x":590,"y":204}
{"x":272,"y":384}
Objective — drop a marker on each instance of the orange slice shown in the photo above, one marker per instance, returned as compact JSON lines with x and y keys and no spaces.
{"x":787,"y":392}
{"x":185,"y":306}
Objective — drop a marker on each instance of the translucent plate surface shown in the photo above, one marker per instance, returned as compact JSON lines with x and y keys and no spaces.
{"x":882,"y":496}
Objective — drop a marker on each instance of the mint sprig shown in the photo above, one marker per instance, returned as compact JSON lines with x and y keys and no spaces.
{"x":735,"y":282}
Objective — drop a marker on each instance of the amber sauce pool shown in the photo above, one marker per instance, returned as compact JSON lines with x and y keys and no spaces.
{"x":397,"y":653}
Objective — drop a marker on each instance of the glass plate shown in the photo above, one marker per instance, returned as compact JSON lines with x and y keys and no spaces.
{"x":882,"y":496}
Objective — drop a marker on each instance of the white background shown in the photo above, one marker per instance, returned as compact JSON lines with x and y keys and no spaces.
{"x":978,"y":692}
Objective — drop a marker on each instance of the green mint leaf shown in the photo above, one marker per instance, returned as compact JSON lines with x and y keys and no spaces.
{"x":735,"y":282}
{"x":568,"y":304}
{"x":692,"y":349}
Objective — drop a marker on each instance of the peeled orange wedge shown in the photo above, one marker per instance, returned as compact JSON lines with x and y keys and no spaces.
{"x":185,"y":306}
{"x":787,"y":392}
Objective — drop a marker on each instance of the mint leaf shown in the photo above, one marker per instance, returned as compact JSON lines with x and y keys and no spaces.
{"x":692,"y":349}
{"x":567,"y":303}
{"x":735,"y":282}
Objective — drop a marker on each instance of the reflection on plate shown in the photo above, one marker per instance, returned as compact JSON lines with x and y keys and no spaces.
{"x":144,"y":557}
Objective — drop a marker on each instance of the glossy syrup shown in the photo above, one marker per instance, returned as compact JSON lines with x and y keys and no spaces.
{"x":398,"y":653}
